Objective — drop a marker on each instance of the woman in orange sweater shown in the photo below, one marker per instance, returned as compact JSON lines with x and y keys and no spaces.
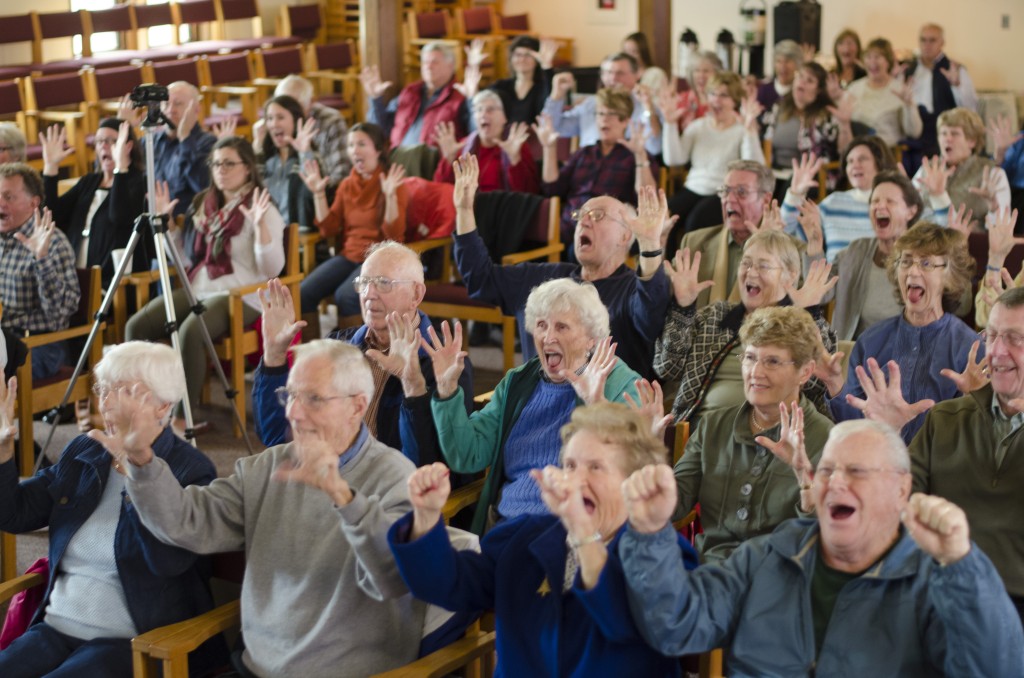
{"x":369,"y":207}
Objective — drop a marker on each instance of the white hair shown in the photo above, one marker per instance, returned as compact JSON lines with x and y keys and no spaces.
{"x":298,"y":88}
{"x":892,"y":442}
{"x":352,"y":373}
{"x":564,"y":295}
{"x":156,"y":366}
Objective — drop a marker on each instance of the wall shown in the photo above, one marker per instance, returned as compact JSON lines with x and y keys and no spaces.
{"x":973,"y":33}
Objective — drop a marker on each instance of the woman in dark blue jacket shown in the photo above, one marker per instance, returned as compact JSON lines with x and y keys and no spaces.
{"x":555,"y":582}
{"x":110,"y":579}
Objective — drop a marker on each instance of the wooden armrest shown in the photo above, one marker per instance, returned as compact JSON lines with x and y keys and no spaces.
{"x":59,"y":116}
{"x":444,"y":41}
{"x":240,"y":90}
{"x":446,"y":660}
{"x":429,"y":244}
{"x":35,"y":340}
{"x":23,"y":583}
{"x":467,"y":495}
{"x":530,"y":255}
{"x":146,"y":277}
{"x":267,"y":82}
{"x":685,"y":520}
{"x":483,"y":398}
{"x":332,"y":75}
{"x":183,"y":637}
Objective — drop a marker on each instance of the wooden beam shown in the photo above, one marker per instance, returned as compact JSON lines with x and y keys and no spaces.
{"x":654,"y":19}
{"x":380,"y":37}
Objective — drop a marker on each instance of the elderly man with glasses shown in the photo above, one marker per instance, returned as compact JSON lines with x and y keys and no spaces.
{"x":398,"y":413}
{"x":322,"y":594}
{"x":605,"y":230}
{"x":880,"y":583}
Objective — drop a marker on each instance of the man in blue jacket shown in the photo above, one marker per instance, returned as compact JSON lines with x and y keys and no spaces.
{"x":853,"y":593}
{"x":399,"y":412}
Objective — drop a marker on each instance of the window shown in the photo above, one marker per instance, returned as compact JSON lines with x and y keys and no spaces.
{"x":101,"y":42}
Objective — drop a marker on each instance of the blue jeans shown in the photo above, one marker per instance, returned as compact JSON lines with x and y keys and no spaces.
{"x":47,"y":360}
{"x":332,"y":278}
{"x":43,"y":651}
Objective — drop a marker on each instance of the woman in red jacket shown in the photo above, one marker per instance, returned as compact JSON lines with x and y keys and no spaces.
{"x":369,"y":207}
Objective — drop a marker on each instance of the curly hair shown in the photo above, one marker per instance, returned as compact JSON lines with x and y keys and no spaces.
{"x":618,"y":101}
{"x":564,"y":295}
{"x":619,"y":425}
{"x":817,"y":108}
{"x":788,"y":327}
{"x":967,"y":120}
{"x":926,"y":239}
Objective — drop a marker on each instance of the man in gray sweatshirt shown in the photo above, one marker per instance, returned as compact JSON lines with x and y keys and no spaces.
{"x":321,"y":595}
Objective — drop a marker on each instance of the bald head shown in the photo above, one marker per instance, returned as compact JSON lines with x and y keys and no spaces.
{"x":181,"y":98}
{"x":297,"y":88}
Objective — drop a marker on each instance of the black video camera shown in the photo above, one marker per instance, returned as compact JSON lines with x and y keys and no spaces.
{"x":147,"y":94}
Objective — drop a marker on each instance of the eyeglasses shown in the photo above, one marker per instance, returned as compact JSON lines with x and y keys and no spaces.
{"x":926,"y":265}
{"x":854,"y":473}
{"x":105,"y":141}
{"x":762,"y":266}
{"x":226,"y":164}
{"x":741,"y":192}
{"x":310,"y":401}
{"x":6,"y":149}
{"x":770,"y":364}
{"x":596,"y":214}
{"x":1014,"y":339}
{"x":102,"y":392}
{"x":383,"y":285}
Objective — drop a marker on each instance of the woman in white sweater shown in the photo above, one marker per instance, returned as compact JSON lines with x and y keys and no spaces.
{"x":728,"y":132}
{"x":882,"y":102}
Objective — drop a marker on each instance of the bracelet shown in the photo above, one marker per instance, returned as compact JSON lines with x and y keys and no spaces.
{"x":641,"y":165}
{"x":652,"y":253}
{"x":994,"y":269}
{"x":596,"y":537}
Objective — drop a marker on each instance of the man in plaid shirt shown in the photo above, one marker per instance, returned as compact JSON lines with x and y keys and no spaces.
{"x":330,"y":141}
{"x":38,"y":283}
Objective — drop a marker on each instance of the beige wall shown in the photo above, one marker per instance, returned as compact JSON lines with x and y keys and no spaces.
{"x":994,"y":56}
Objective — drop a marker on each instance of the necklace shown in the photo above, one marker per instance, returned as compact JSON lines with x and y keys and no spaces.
{"x":755,"y":425}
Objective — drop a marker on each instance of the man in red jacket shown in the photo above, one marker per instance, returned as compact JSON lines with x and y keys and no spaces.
{"x":411,"y":117}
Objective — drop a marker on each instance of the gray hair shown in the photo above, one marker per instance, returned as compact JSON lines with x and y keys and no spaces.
{"x":192,"y":89}
{"x":298,"y":88}
{"x":779,"y":244}
{"x":488,"y":95}
{"x":564,"y":295}
{"x":12,"y":136}
{"x":789,"y":49}
{"x":765,"y":176}
{"x":156,"y":366}
{"x":397,"y":252}
{"x":438,"y":46}
{"x":1012,"y":298}
{"x":707,"y":56}
{"x":892,"y":442}
{"x":352,"y":373}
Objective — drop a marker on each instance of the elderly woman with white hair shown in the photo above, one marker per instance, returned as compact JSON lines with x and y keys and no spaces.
{"x":517,"y":431}
{"x":505,"y":163}
{"x":12,"y":143}
{"x":110,"y":578}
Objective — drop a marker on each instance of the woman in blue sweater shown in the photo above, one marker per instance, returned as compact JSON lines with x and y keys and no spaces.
{"x":554,"y":581}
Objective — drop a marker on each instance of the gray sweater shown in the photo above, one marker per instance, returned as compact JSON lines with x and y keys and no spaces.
{"x":321,"y":595}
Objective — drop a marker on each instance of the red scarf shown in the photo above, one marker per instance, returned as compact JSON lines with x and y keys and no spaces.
{"x":214,"y":231}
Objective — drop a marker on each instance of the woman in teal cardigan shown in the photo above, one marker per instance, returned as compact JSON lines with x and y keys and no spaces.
{"x":518,"y":429}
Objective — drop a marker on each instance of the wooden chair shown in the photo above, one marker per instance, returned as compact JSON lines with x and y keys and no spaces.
{"x":271,"y":66}
{"x":42,"y":396}
{"x":827,"y":167}
{"x":118,"y":19}
{"x":58,"y":99}
{"x":18,"y":29}
{"x":241,"y":341}
{"x":104,"y":88}
{"x":54,"y":25}
{"x":305,"y":22}
{"x":519,"y":24}
{"x":334,"y":71}
{"x":155,"y":16}
{"x":225,"y":77}
{"x":422,"y":28}
{"x":451,"y":300}
{"x":12,"y":109}
{"x":236,"y":12}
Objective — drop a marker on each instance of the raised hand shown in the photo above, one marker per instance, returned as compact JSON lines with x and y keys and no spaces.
{"x":667,"y":106}
{"x":828,"y":367}
{"x":634,"y":140}
{"x":938,"y":526}
{"x":390,"y":182}
{"x":809,"y":219}
{"x":470,"y":84}
{"x":686,"y":286}
{"x":995,"y":284}
{"x":791,"y":451}
{"x":39,"y":242}
{"x":444,"y":135}
{"x":475,"y":55}
{"x":226,"y":128}
{"x":126,"y":110}
{"x":651,"y":213}
{"x":805,"y":174}
{"x":162,"y":203}
{"x":279,"y":325}
{"x":512,"y":145}
{"x":771,"y":219}
{"x":960,"y":219}
{"x":188,"y":121}
{"x":883,"y":401}
{"x":989,"y":183}
{"x":133,"y":423}
{"x":1000,"y":236}
{"x":259,"y":208}
{"x":816,"y":285}
{"x":843,"y":110}
{"x":545,"y":130}
{"x":650,"y":495}
{"x":304,"y":134}
{"x":372,"y":83}
{"x":467,"y":178}
{"x":561,"y":84}
{"x":589,"y":386}
{"x":259,"y":134}
{"x":54,"y":151}
{"x":562,"y":494}
{"x":1004,"y":134}
{"x":123,"y":148}
{"x":429,"y":487}
{"x":651,"y":405}
{"x":311,"y":177}
{"x":952,"y":73}
{"x":751,"y":110}
{"x":8,"y":424}
{"x":447,"y":357}
{"x":314,"y":462}
{"x":546,"y":56}
{"x":402,"y":358}
{"x":905,"y":91}
{"x":975,"y":374}
{"x":935,"y":176}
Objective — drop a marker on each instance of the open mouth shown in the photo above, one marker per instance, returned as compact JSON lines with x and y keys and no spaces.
{"x":731,"y":213}
{"x":883,"y":222}
{"x":589,"y":506}
{"x":753,"y":290}
{"x":553,"y":361}
{"x":840,"y":511}
{"x":914,"y":293}
{"x":584,"y":242}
